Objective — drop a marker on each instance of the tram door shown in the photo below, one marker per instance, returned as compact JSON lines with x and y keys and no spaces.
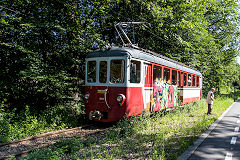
{"x":180,"y":85}
{"x":147,"y":89}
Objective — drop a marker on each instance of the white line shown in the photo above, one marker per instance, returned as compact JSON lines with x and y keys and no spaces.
{"x":228,"y":156}
{"x":233,"y":141}
{"x":236,"y":129}
{"x":238,"y":121}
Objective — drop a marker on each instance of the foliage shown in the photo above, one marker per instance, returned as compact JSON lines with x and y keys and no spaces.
{"x":164,"y":135}
{"x":203,"y":34}
{"x":15,"y":126}
{"x":43,"y":43}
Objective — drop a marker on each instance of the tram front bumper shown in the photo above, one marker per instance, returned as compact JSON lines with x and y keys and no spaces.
{"x":95,"y":115}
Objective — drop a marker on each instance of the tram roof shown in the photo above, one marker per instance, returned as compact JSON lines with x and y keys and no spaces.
{"x":143,"y":54}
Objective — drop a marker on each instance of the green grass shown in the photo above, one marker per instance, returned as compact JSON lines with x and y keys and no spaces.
{"x":159,"y":136}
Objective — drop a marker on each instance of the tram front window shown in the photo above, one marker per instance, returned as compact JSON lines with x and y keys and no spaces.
{"x":91,"y":71}
{"x":117,"y":71}
{"x":103,"y":71}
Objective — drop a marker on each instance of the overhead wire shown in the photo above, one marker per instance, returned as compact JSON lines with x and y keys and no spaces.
{"x":149,"y":30}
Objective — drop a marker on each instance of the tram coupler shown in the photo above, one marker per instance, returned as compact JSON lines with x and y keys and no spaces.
{"x":96,"y":115}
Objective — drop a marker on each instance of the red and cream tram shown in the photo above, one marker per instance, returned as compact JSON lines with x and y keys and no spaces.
{"x":127,"y":81}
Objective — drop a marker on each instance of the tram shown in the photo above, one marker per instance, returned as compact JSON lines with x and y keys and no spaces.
{"x":128,"y":81}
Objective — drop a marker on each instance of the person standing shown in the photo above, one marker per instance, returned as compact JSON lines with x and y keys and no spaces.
{"x":210,"y":98}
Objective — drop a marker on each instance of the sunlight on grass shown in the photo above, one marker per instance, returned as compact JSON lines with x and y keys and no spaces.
{"x":163,"y":135}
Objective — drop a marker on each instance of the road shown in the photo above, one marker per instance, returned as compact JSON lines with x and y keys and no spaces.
{"x":221,"y":141}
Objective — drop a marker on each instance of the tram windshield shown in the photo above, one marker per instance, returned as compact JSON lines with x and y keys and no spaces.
{"x":91,"y":71}
{"x":103,"y":71}
{"x":117,"y":71}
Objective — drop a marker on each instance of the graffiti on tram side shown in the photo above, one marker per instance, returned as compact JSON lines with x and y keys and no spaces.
{"x":164,"y":96}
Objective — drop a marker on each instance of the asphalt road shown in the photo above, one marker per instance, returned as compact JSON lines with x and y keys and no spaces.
{"x":222,"y":141}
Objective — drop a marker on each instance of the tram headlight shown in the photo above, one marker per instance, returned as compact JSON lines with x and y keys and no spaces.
{"x":121,"y":99}
{"x":87,"y":96}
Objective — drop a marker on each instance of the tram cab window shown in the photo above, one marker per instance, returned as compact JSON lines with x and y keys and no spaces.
{"x":197,"y":81}
{"x":157,"y":74}
{"x":166,"y":75}
{"x":174,"y":77}
{"x":135,"y":70}
{"x":193,"y":81}
{"x":117,"y":71}
{"x":103,"y":71}
{"x":189,"y":80}
{"x":185,"y":79}
{"x":91,"y":71}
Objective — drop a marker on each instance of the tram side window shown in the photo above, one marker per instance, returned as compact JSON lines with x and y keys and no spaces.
{"x":135,"y":70}
{"x":157,"y":73}
{"x":117,"y":71}
{"x":174,"y":77}
{"x":167,"y":75}
{"x":197,"y":81}
{"x":189,"y":80}
{"x":179,"y":79}
{"x":103,"y":72}
{"x":193,"y":82}
{"x":91,"y":71}
{"x":185,"y":79}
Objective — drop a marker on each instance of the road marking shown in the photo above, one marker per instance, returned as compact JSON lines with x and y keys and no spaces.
{"x":228,"y":156}
{"x":236,"y":129}
{"x":233,"y":141}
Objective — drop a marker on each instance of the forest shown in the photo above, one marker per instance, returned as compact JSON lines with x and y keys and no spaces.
{"x":43,"y":45}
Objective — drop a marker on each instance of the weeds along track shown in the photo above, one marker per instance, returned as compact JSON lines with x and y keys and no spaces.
{"x":22,"y":147}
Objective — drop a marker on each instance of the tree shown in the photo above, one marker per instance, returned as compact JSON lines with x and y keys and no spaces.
{"x":43,"y":45}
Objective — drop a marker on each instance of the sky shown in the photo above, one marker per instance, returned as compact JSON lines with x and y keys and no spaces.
{"x":238,"y":59}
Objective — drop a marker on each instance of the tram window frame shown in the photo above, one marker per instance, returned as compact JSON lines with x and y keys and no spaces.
{"x":122,"y":72}
{"x":189,"y":80}
{"x":159,"y":76}
{"x":135,"y":71}
{"x":103,"y":72}
{"x":167,"y":79}
{"x":193,"y":80}
{"x":174,"y":81}
{"x":184,"y":79}
{"x":91,"y":78}
{"x":198,"y":81}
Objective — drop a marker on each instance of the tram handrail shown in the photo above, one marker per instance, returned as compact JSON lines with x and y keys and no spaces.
{"x":105,"y":98}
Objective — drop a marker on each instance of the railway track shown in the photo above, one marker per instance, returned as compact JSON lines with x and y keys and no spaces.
{"x":20,"y":148}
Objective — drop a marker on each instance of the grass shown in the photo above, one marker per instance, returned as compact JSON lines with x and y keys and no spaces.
{"x":164,"y":135}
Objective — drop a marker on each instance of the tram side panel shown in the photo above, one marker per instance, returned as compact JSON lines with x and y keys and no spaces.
{"x":134,"y":101}
{"x":189,"y":95}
